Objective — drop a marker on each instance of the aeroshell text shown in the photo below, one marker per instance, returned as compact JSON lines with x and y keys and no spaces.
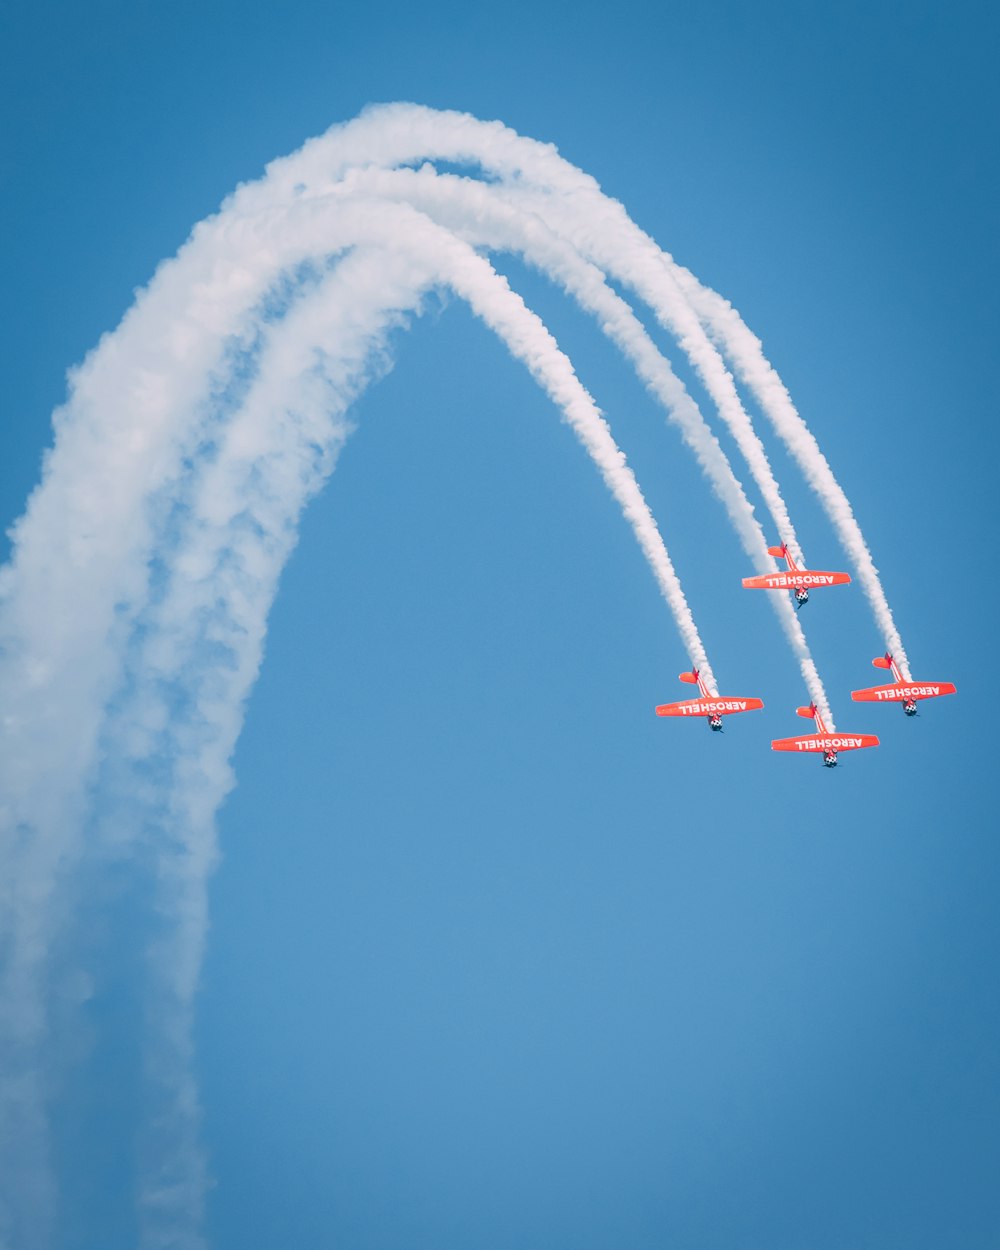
{"x":712,"y":706}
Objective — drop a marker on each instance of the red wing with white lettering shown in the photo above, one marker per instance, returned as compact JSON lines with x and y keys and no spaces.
{"x":908,"y":693}
{"x":705,"y":707}
{"x":825,"y":741}
{"x":811,"y":579}
{"x":712,"y":706}
{"x":799,"y":581}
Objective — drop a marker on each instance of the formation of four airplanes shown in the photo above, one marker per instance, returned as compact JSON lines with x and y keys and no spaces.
{"x":713,"y":708}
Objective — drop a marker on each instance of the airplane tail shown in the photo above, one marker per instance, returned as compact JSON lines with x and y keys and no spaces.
{"x":808,"y":712}
{"x":690,"y":678}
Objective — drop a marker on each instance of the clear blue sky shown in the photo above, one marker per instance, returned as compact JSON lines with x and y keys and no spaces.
{"x":498,"y":959}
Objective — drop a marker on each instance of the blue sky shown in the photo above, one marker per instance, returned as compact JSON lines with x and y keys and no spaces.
{"x":497,"y":958}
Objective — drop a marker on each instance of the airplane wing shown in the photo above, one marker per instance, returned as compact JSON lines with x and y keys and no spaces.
{"x":825,"y":742}
{"x":709,"y":707}
{"x":900,"y":692}
{"x":808,"y":579}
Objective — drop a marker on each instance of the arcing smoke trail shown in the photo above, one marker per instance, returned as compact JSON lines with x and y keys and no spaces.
{"x":540,"y":182}
{"x":484,"y":216}
{"x":572,"y":203}
{"x":282,"y":369}
{"x":298,"y":282}
{"x":86,"y":541}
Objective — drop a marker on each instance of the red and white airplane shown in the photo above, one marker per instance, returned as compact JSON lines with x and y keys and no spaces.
{"x":799,"y":580}
{"x":901,"y":691}
{"x":823,"y":740}
{"x":709,"y":705}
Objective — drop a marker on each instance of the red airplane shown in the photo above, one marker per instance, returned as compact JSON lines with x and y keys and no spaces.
{"x":823,"y":740}
{"x":901,"y":691}
{"x":795,"y":579}
{"x":709,"y":705}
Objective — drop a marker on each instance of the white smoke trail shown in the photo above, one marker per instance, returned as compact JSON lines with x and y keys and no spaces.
{"x":572,"y":203}
{"x":481,"y":214}
{"x":81,"y":621}
{"x":746,"y":352}
{"x":94,"y":506}
{"x":68,"y":601}
{"x":232,"y":493}
{"x":240,"y":526}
